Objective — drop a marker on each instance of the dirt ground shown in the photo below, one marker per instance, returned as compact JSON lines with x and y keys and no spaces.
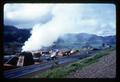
{"x":104,"y":68}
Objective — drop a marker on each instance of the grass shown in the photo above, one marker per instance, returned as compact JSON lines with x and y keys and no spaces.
{"x":62,"y":72}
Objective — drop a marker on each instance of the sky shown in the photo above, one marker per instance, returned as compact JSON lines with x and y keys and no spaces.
{"x":51,"y":21}
{"x":99,"y":19}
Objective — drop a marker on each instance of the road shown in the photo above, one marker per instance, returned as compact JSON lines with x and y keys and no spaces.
{"x":18,"y":72}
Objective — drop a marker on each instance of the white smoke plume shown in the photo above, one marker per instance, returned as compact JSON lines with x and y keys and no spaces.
{"x":66,"y":18}
{"x":44,"y":35}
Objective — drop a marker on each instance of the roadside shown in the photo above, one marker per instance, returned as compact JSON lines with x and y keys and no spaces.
{"x":56,"y":66}
{"x":104,"y":68}
{"x":62,"y":72}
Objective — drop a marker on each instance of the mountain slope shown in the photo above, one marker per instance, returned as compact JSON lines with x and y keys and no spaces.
{"x":14,"y":39}
{"x":13,"y":34}
{"x":82,"y":39}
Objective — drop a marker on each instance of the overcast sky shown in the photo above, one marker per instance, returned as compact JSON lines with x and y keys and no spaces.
{"x":97,"y":18}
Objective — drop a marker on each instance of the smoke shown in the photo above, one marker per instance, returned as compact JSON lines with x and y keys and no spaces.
{"x":65,"y":19}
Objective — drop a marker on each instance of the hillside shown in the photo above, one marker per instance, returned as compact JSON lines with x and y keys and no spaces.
{"x":13,"y":34}
{"x":83,"y":39}
{"x":104,"y":68}
{"x":14,"y":39}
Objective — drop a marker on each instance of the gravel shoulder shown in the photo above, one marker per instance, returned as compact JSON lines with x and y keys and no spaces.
{"x":104,"y":68}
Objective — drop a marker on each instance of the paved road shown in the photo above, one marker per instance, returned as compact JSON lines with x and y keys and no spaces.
{"x":15,"y":73}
